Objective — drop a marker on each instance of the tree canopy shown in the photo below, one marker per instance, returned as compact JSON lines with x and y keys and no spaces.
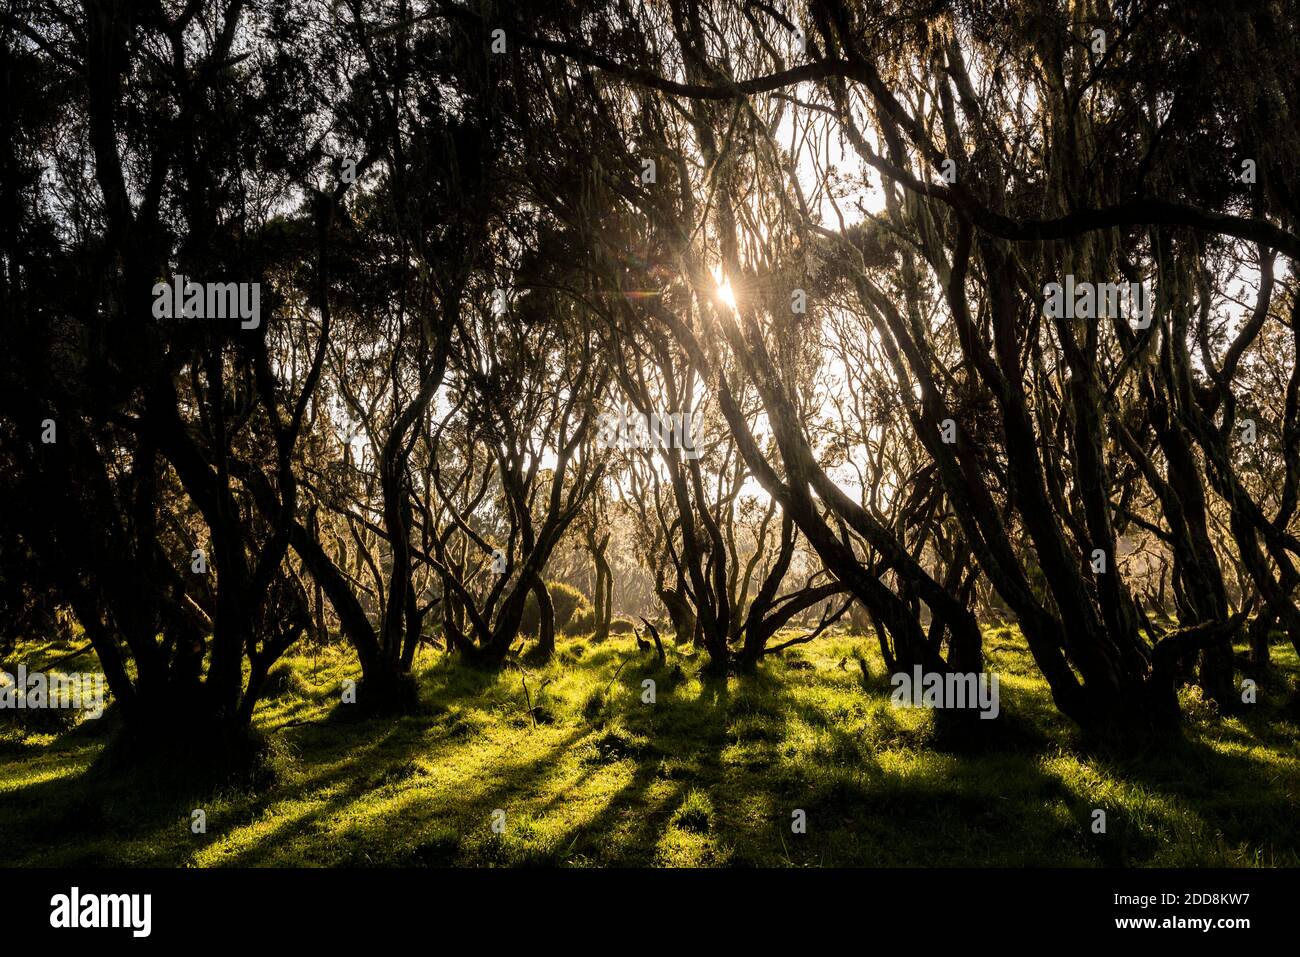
{"x":931,"y":314}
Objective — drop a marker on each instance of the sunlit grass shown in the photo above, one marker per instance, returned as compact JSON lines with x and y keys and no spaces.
{"x":708,"y":775}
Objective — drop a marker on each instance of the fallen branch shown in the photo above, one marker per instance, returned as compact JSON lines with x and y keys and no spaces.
{"x":659,"y":645}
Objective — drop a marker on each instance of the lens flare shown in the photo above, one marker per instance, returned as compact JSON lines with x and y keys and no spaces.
{"x":726,"y":295}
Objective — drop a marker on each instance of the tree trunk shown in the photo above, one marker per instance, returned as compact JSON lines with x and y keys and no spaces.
{"x":1260,"y":626}
{"x":545,"y":619}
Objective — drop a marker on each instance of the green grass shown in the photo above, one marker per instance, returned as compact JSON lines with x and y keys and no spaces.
{"x":710,"y":774}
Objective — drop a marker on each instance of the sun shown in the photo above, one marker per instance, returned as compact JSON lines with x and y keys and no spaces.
{"x":726,"y":295}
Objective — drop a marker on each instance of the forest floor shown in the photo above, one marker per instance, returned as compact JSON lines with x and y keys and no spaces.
{"x":710,"y":774}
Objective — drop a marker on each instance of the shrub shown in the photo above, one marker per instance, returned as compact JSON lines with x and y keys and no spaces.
{"x":564,"y":598}
{"x":583,"y":622}
{"x":284,"y":680}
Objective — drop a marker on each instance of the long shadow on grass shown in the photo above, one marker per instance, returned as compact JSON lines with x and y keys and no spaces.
{"x":392,"y":835}
{"x":1252,"y":801}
